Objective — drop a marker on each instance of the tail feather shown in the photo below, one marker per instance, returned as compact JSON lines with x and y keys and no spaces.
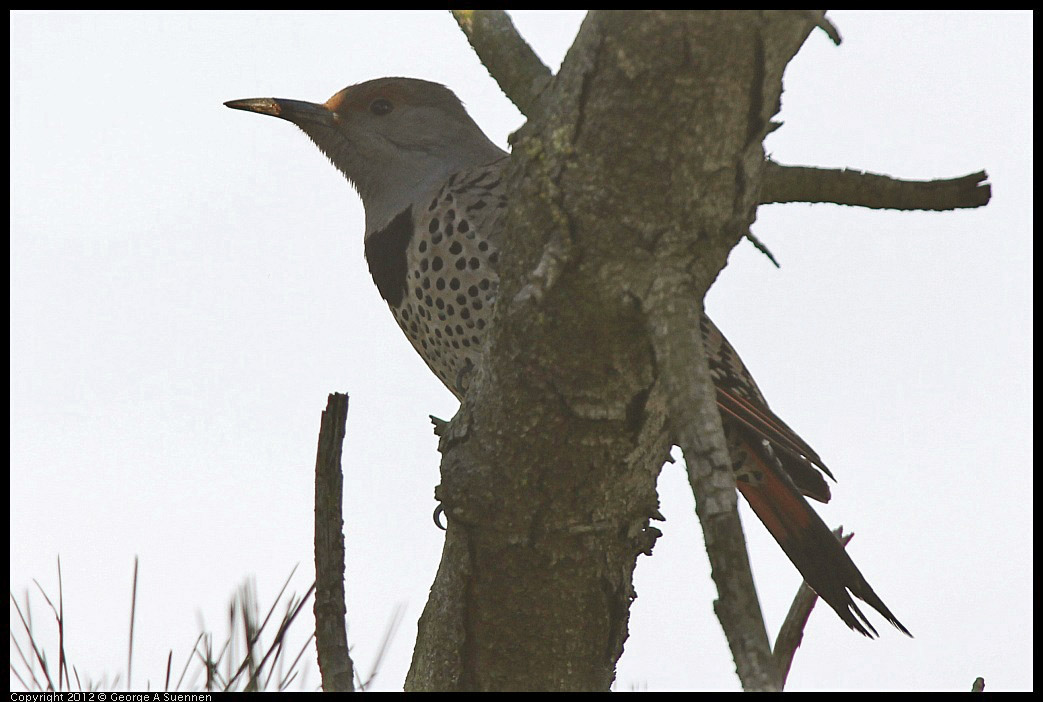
{"x":809,"y":543}
{"x":801,"y":463}
{"x":762,"y":421}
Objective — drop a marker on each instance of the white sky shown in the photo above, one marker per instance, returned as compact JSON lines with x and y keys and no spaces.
{"x":187,"y":285}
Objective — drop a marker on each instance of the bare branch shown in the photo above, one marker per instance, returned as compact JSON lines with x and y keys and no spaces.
{"x":696,"y":426}
{"x":331,"y":640}
{"x":792,"y":631}
{"x":505,"y":53}
{"x":850,"y":187}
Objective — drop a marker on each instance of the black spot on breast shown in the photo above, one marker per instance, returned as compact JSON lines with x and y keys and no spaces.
{"x":386,"y":255}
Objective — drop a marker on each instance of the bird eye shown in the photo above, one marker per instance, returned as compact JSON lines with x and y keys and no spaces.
{"x":380,"y":107}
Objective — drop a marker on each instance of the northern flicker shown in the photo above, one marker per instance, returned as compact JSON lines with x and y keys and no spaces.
{"x":433,"y":190}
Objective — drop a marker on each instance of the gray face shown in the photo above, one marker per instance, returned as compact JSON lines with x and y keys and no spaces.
{"x":395,"y":139}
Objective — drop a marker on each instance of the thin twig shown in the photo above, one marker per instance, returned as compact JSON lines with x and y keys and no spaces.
{"x":249,"y":661}
{"x":59,"y":618}
{"x":15,"y":673}
{"x":284,"y":626}
{"x":28,"y":668}
{"x":36,"y":652}
{"x":133,"y":609}
{"x":252,"y":638}
{"x":293,"y":666}
{"x":184,"y":670}
{"x":508,"y":57}
{"x":62,"y":662}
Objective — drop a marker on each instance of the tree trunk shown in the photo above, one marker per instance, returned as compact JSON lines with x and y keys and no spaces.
{"x":639,"y":169}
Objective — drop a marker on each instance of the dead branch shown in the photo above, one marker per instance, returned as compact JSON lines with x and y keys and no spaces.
{"x":331,"y":640}
{"x":508,"y":57}
{"x":843,"y":186}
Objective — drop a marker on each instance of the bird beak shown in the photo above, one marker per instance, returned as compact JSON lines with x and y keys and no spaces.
{"x":296,"y":111}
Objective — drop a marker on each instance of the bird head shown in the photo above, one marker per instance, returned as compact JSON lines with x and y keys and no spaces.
{"x":394,"y":139}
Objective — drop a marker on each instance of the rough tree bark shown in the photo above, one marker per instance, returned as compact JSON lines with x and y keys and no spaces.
{"x":331,"y":640}
{"x":639,"y":169}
